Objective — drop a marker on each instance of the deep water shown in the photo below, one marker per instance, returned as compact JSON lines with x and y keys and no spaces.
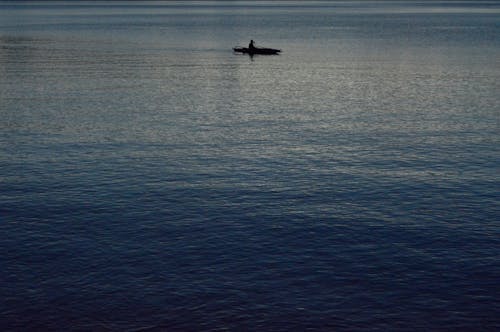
{"x":150,"y":179}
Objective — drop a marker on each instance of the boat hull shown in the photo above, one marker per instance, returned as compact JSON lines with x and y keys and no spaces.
{"x":252,"y":51}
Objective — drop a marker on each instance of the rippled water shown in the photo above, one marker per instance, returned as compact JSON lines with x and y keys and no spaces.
{"x":150,"y":179}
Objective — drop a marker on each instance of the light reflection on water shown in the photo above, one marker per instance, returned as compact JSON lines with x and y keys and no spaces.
{"x":149,"y":173}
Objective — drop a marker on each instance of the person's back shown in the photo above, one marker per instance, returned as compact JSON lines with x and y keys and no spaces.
{"x":251,"y":45}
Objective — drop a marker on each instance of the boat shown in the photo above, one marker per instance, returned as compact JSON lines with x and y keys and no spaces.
{"x":256,"y":50}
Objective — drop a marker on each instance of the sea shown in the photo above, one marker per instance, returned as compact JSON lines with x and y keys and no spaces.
{"x":151,"y":179}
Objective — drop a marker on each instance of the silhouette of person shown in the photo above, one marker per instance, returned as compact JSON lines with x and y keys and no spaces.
{"x":251,"y":45}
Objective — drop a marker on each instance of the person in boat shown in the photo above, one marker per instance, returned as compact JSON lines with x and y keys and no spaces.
{"x":251,"y":46}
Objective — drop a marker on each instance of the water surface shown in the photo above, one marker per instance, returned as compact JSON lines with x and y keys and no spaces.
{"x":152,"y":179}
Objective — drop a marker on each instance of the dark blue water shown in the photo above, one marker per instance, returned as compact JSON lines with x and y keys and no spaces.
{"x":150,"y":179}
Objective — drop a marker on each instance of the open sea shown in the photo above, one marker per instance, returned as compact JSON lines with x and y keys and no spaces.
{"x":153,"y":180}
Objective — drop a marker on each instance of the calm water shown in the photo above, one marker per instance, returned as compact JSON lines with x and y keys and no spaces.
{"x":150,"y":179}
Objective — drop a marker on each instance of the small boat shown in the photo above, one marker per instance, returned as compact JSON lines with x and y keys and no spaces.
{"x":256,"y":50}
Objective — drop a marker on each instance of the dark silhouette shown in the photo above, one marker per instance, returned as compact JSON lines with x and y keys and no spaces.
{"x":252,"y":50}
